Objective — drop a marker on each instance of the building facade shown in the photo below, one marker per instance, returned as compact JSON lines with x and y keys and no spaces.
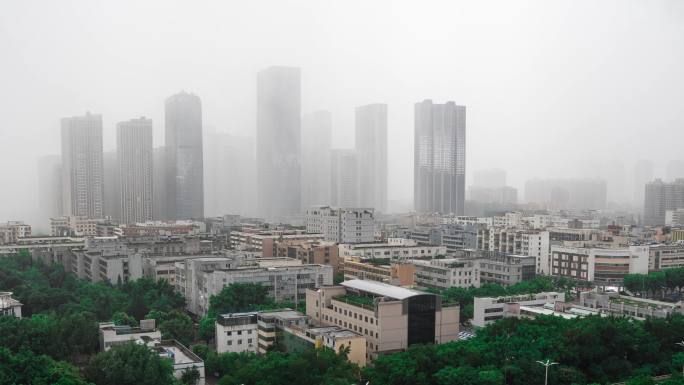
{"x":660,"y":197}
{"x":391,"y":318}
{"x":278,"y":142}
{"x":439,"y":158}
{"x":341,"y":224}
{"x":316,"y":143}
{"x":135,"y":157}
{"x":184,"y":157}
{"x":82,"y":166}
{"x":344,"y":178}
{"x":371,"y":146}
{"x":603,"y":266}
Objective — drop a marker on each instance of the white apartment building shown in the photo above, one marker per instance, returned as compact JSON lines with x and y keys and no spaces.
{"x":12,"y":231}
{"x":533,"y":243}
{"x":342,"y":225}
{"x":446,"y":273}
{"x":601,"y":265}
{"x":8,"y":305}
{"x":537,"y":244}
{"x":490,"y":309}
{"x":73,"y":226}
{"x":396,"y":250}
{"x":237,"y":333}
{"x":286,"y":279}
{"x":134,"y":156}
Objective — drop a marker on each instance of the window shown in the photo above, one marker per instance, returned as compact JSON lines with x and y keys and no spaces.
{"x":239,"y":342}
{"x":229,"y":333}
{"x":249,"y":340}
{"x":239,"y":332}
{"x":230,"y":342}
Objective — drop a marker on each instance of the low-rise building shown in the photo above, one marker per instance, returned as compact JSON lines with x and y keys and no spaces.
{"x":490,"y":309}
{"x":393,"y":249}
{"x":286,"y":279}
{"x":665,"y":256}
{"x":258,"y":332}
{"x":398,"y":273}
{"x":8,"y":305}
{"x":677,"y":235}
{"x":163,"y":228}
{"x":237,"y":333}
{"x":342,"y":224}
{"x":147,"y":334}
{"x":74,"y":226}
{"x":12,"y":231}
{"x":613,"y":303}
{"x":264,"y":241}
{"x":308,"y":251}
{"x":601,"y":265}
{"x":391,"y":318}
{"x":446,"y":273}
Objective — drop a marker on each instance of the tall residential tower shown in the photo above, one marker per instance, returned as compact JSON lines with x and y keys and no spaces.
{"x":439,"y":158}
{"x":135,"y":157}
{"x":184,"y":162}
{"x":82,"y":173}
{"x":371,"y":147}
{"x":316,"y":142}
{"x":278,"y":142}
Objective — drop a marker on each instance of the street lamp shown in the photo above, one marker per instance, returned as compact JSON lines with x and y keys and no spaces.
{"x":548,"y":363}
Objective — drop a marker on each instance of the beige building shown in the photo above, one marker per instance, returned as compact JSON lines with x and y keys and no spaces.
{"x":380,"y":270}
{"x":391,"y":318}
{"x":309,"y":251}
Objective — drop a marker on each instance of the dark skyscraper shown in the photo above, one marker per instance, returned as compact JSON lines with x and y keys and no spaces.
{"x":278,"y":142}
{"x":439,"y":158}
{"x":185,"y":174}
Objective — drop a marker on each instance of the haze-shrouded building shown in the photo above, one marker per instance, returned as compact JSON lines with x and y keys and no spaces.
{"x":439,"y":158}
{"x":371,"y":147}
{"x":661,"y":197}
{"x":316,"y":141}
{"x":50,"y":187}
{"x":82,"y":173}
{"x":112,"y":186}
{"x":135,"y":156}
{"x":344,"y":178}
{"x":278,"y":142}
{"x":185,"y":171}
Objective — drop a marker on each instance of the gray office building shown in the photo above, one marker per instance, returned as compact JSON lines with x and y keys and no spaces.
{"x":184,"y":162}
{"x":439,"y":158}
{"x":278,"y":142}
{"x":371,"y":147}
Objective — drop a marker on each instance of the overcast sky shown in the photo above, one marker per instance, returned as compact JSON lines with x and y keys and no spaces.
{"x":552,"y":88}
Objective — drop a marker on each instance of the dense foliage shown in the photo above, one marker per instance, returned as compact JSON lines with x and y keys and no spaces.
{"x":311,"y":367}
{"x":28,"y":368}
{"x":129,"y":364}
{"x":61,"y":315}
{"x":464,"y":296}
{"x":653,"y":282}
{"x":589,"y":350}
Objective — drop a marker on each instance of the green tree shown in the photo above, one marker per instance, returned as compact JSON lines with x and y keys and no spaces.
{"x":30,"y":369}
{"x":207,"y":329}
{"x":238,"y":297}
{"x":129,"y":364}
{"x":190,"y":376}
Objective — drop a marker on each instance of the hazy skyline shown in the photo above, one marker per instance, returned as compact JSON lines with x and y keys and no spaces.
{"x":550,"y":87}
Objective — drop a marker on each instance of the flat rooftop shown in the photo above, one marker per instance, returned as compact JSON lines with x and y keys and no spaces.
{"x":381,"y":289}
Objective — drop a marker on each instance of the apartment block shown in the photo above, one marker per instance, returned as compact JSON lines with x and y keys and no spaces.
{"x":601,"y":265}
{"x":308,"y":251}
{"x":490,"y":309}
{"x":264,"y":241}
{"x":665,"y":256}
{"x":9,"y":306}
{"x":391,"y":318}
{"x":393,"y":249}
{"x":73,"y":226}
{"x":286,"y":279}
{"x":446,"y":273}
{"x":342,"y":225}
{"x":378,"y":269}
{"x":12,"y":231}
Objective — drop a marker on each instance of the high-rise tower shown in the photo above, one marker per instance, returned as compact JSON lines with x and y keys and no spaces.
{"x":135,"y":158}
{"x":439,"y":158}
{"x":82,"y":174}
{"x":185,"y":171}
{"x":371,"y":147}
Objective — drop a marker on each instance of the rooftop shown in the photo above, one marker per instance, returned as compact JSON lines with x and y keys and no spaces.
{"x":381,"y":289}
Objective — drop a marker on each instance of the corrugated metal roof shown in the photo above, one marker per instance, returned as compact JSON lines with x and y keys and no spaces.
{"x":381,"y":289}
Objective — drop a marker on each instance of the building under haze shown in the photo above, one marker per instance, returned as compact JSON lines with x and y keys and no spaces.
{"x":371,"y":147}
{"x":660,"y":197}
{"x":675,"y":169}
{"x":278,"y":142}
{"x":135,"y":156}
{"x":112,"y":186}
{"x":643,"y":173}
{"x":344,"y":178}
{"x":439,"y":158}
{"x":316,"y":142}
{"x":49,"y":187}
{"x":490,"y":178}
{"x":559,"y":194}
{"x":184,"y":159}
{"x":82,"y":172}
